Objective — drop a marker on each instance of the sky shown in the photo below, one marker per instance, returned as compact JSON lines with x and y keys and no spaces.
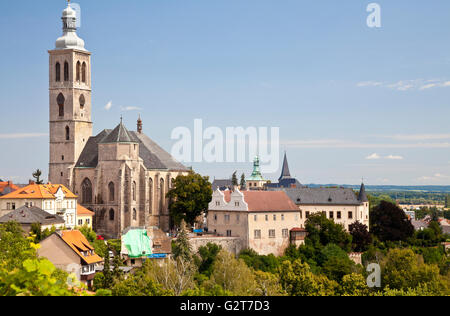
{"x":351,"y":101}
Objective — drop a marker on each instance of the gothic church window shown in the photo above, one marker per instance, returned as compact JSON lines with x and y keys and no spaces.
{"x":111,"y":214}
{"x":83,"y":72}
{"x":86,"y":191}
{"x":161,"y":196}
{"x":134,"y":214}
{"x":111,"y":191}
{"x":58,"y":72}
{"x":66,"y":71}
{"x":67,"y":133}
{"x":82,"y":102}
{"x":134,"y":191}
{"x":78,"y":71}
{"x":61,"y":100}
{"x":150,"y":195}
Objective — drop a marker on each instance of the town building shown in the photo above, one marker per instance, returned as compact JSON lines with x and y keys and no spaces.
{"x":285,"y":180}
{"x":140,"y":244}
{"x":54,"y":199}
{"x":70,"y":251}
{"x":7,"y":187}
{"x":339,"y":204}
{"x":256,"y":180}
{"x":263,"y":220}
{"x":122,"y":176}
{"x":85,"y":217}
{"x":26,"y":216}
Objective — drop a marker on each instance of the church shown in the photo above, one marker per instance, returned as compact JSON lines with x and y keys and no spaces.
{"x":121,"y":175}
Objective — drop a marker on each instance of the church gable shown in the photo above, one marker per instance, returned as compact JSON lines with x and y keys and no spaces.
{"x":153,"y":156}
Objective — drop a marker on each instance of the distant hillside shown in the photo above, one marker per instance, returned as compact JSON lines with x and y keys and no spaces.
{"x":393,"y":188}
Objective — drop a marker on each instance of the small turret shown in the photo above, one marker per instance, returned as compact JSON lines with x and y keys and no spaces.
{"x":139,"y":125}
{"x":362,"y":196}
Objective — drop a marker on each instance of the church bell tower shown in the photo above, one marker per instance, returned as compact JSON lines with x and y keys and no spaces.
{"x":70,"y":101}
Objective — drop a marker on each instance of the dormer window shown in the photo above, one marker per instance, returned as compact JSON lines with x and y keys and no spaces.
{"x":217,"y":203}
{"x":236,"y":203}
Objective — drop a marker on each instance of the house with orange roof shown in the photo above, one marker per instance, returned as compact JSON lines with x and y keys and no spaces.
{"x":7,"y":187}
{"x":54,"y":199}
{"x":84,"y":216}
{"x":265,"y":221}
{"x":70,"y":251}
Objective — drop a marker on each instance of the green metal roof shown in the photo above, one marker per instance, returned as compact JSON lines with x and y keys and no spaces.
{"x":137,"y":243}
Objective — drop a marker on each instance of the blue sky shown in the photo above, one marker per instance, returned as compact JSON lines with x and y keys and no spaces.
{"x":351,"y":101}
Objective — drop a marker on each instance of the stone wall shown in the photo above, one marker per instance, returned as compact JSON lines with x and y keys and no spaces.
{"x":231,"y":244}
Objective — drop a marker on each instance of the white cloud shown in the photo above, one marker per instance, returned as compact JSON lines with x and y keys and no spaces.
{"x":393,"y":157}
{"x":22,"y":135}
{"x":419,"y":137}
{"x":130,"y":108}
{"x":335,"y":143}
{"x":374,"y":156}
{"x":434,"y":178}
{"x":108,"y":106}
{"x":405,"y":85}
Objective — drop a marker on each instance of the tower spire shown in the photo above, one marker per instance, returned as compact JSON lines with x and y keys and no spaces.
{"x":285,"y":173}
{"x":70,"y":39}
{"x":139,"y":125}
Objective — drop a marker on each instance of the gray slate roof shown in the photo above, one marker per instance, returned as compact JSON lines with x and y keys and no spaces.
{"x":31,"y":215}
{"x":119,"y":135}
{"x":362,"y":196}
{"x":323,"y":196}
{"x":154,"y":156}
{"x":222,"y":184}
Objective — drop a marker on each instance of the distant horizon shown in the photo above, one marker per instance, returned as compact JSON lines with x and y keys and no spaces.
{"x":351,"y":101}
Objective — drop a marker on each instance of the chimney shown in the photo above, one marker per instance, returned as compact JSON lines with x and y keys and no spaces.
{"x":31,"y":182}
{"x":139,"y":125}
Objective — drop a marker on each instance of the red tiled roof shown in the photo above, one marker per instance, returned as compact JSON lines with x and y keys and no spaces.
{"x":266,"y":201}
{"x":76,"y":240}
{"x":4,"y":185}
{"x":39,"y":191}
{"x":82,"y":211}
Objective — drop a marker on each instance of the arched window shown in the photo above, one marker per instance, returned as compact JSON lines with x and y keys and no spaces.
{"x":150,"y":195}
{"x":111,"y":214}
{"x":111,"y":191}
{"x":82,"y":101}
{"x":58,"y":72}
{"x":67,"y":133}
{"x":86,"y":191}
{"x":134,"y":215}
{"x":161,"y":196}
{"x":78,"y":71}
{"x":61,"y":100}
{"x":66,"y":71}
{"x":83,"y":72}
{"x":134,"y":191}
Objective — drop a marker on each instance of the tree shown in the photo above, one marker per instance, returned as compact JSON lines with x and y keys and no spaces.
{"x":14,"y":247}
{"x":232,"y":275}
{"x":37,"y":175}
{"x":354,"y":285}
{"x":234,"y":179}
{"x":323,"y":231}
{"x":298,"y":280}
{"x":181,"y":247}
{"x":190,"y":198}
{"x":361,"y":237}
{"x":390,"y":223}
{"x":243,"y":183}
{"x":207,"y":257}
{"x":402,"y":269}
{"x":268,"y":284}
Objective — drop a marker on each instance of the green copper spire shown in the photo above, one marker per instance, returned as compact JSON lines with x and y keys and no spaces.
{"x":256,"y":175}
